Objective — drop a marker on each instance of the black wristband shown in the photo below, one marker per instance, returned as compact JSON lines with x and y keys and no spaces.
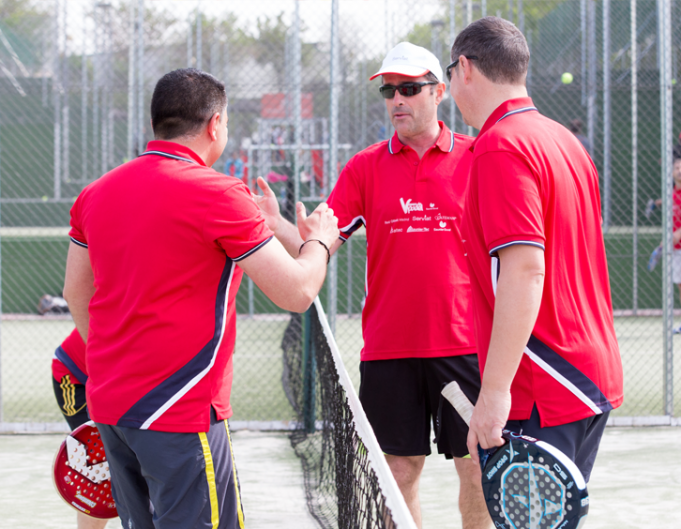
{"x":328,"y":253}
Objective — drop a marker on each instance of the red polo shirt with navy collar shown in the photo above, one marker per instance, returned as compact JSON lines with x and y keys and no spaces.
{"x":69,"y":359}
{"x":533,"y":183}
{"x":418,"y":297}
{"x":165,"y":234}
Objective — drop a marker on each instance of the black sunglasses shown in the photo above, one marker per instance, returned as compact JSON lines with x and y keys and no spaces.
{"x":405,"y":89}
{"x":453,"y":65}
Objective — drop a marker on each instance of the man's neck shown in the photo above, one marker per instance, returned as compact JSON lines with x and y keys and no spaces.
{"x":495,"y":95}
{"x":423,"y":141}
{"x":198,"y":145}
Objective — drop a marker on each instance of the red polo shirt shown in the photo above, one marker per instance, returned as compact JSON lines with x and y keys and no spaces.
{"x":533,"y":183}
{"x":164,"y":233}
{"x":418,"y":298}
{"x":69,"y":359}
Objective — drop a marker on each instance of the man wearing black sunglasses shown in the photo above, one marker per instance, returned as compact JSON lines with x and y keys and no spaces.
{"x":416,"y":320}
{"x":544,"y":318}
{"x":418,"y":333}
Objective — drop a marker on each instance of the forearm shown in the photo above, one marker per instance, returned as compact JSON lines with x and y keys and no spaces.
{"x":519,"y":292}
{"x":287,"y":234}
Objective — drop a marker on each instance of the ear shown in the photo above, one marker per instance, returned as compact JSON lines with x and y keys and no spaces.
{"x":440,"y":91}
{"x":213,"y":125}
{"x":466,"y":68}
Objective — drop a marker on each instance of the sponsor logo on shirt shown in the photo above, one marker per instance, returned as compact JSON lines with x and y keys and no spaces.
{"x":417,"y":230}
{"x":431,"y":206}
{"x":404,"y":219}
{"x":443,"y":227}
{"x":421,"y":219}
{"x":396,"y":230}
{"x":409,"y":206}
{"x":443,"y":217}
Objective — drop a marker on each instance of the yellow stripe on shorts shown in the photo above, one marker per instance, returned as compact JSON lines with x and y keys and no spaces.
{"x":239,"y":509}
{"x":68,"y":391}
{"x":210,"y":476}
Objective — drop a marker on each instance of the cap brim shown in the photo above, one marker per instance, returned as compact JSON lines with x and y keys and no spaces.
{"x":407,"y":71}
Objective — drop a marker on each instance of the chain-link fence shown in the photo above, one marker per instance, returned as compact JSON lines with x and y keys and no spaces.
{"x":76,"y":79}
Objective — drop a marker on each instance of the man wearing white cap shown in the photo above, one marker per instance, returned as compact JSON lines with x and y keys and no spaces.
{"x":417,"y":319}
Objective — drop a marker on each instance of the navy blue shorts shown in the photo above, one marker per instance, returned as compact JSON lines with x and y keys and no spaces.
{"x":71,"y":400}
{"x":401,"y":397}
{"x":164,"y":480}
{"x":579,"y":440}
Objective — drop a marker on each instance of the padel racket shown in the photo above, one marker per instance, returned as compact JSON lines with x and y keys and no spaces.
{"x":81,"y":473}
{"x":527,"y":483}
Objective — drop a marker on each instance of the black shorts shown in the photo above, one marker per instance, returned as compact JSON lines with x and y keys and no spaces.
{"x":71,"y":399}
{"x":401,"y":398}
{"x":166,"y":480}
{"x":579,"y":440}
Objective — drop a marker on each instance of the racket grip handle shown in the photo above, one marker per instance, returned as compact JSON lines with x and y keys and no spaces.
{"x":452,"y":392}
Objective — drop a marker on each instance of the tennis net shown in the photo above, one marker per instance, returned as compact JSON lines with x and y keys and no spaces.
{"x":348,"y":483}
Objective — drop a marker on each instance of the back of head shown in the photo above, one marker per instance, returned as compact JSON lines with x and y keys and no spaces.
{"x":576,"y":126}
{"x":501,"y":50}
{"x":183,"y":102}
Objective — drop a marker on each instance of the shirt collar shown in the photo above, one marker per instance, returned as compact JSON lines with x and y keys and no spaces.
{"x":173,"y":150}
{"x":445,"y":141}
{"x":521,"y":104}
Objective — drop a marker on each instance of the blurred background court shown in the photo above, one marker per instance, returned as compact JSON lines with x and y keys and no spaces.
{"x":76,"y":79}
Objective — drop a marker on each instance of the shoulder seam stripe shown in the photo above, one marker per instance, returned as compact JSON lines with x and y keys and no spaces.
{"x":253,"y":250}
{"x":527,"y":243}
{"x":81,"y":244}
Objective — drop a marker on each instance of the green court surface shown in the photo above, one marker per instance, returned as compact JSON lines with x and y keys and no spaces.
{"x":29,"y":342}
{"x":636,"y":483}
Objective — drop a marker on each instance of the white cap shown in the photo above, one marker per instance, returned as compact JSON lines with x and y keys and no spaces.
{"x":411,"y":61}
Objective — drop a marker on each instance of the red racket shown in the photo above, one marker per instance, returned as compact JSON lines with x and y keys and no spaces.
{"x":81,"y":473}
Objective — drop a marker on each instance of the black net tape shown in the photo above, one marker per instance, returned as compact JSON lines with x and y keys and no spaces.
{"x":341,"y":486}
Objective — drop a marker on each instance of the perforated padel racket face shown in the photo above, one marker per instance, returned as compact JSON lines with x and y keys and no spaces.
{"x":528,"y":487}
{"x":81,"y":473}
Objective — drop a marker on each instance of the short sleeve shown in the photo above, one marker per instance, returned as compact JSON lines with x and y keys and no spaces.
{"x":510,"y":201}
{"x":347,"y":202}
{"x":76,"y":232}
{"x":236,"y":224}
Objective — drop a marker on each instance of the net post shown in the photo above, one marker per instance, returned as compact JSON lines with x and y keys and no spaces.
{"x":309,"y":367}
{"x":666,"y":136}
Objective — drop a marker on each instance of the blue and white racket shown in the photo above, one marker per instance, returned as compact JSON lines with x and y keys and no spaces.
{"x":527,"y":483}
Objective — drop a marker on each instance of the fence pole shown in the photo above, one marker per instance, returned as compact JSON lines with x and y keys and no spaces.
{"x":452,"y":38}
{"x":333,"y":150}
{"x":140,"y":77}
{"x":591,"y":97}
{"x":2,"y":417}
{"x":469,"y":19}
{"x":65,"y":144}
{"x":56,"y":87}
{"x":582,"y":27}
{"x":297,"y":103}
{"x":199,"y":38}
{"x":132,"y":97}
{"x":83,"y":103}
{"x":634,"y":155}
{"x":665,"y":47}
{"x":606,"y":117}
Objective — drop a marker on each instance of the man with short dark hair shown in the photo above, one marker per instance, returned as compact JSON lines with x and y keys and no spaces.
{"x":157,"y":253}
{"x":532,"y":225}
{"x":416,"y":320}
